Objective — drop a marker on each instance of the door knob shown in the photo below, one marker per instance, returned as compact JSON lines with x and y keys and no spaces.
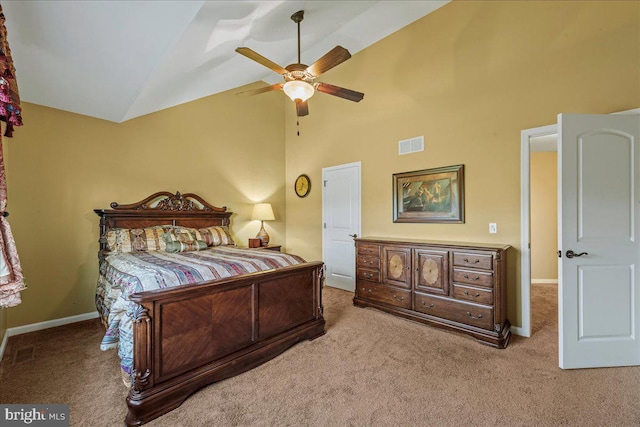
{"x":571,"y":254}
{"x":353,"y":235}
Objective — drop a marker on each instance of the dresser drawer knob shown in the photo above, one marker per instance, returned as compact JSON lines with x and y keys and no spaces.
{"x":466,"y":276}
{"x":365,"y":289}
{"x":479,"y":316}
{"x":425,"y":304}
{"x":467,"y":293}
{"x":475,"y":261}
{"x":398,"y":298}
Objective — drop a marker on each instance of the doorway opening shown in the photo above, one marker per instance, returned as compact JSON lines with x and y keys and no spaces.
{"x":544,"y":230}
{"x":544,"y":137}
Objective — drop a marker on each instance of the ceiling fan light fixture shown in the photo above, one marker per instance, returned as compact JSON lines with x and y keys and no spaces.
{"x":298,"y":89}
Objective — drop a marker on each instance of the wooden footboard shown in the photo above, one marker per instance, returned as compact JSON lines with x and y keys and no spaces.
{"x":190,"y":336}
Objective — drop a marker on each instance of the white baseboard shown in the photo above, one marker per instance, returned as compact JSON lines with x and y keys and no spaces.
{"x":51,"y":323}
{"x":3,"y":344}
{"x":18,"y":330}
{"x":516,"y":330}
{"x":544,"y":281}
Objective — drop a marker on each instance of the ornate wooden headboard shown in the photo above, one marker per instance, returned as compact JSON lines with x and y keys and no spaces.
{"x":162,"y":208}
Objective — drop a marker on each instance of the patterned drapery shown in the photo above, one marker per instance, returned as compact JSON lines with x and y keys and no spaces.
{"x":11,"y":279}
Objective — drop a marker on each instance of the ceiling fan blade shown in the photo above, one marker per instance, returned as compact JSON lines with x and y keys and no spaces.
{"x":251,"y":54}
{"x":302,"y":108}
{"x":349,"y":94}
{"x":335,"y":56}
{"x":262,"y":89}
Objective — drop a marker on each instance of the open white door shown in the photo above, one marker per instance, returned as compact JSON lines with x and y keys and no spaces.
{"x":341,"y":222}
{"x":598,"y":221}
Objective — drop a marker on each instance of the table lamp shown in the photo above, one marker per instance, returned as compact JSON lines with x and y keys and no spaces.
{"x":263,"y":212}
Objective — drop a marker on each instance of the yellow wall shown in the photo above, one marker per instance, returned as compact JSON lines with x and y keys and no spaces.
{"x":469,"y":77}
{"x":226,"y":148}
{"x":544,"y":215}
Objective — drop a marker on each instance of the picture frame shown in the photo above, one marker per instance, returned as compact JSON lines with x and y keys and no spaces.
{"x":429,"y":195}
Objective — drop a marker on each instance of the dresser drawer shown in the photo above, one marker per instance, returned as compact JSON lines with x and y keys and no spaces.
{"x":481,"y":296}
{"x":368,"y":261}
{"x":384,"y":294}
{"x":368,"y":249}
{"x":475,"y":260}
{"x":462,"y":312}
{"x":473,"y":277}
{"x":368,"y":274}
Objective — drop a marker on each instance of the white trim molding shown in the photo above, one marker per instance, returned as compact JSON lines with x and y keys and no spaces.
{"x":544,"y":281}
{"x":3,"y":345}
{"x":525,"y":225}
{"x":516,"y":330}
{"x":18,"y":330}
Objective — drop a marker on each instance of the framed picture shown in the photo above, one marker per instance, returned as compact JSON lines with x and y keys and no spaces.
{"x":429,"y":195}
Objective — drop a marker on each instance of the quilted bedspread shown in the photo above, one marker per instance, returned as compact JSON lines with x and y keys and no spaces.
{"x":122,"y":275}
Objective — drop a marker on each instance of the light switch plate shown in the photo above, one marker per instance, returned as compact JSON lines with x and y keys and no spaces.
{"x":493,"y":227}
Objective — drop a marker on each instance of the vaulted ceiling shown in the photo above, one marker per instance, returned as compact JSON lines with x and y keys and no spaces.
{"x":116,"y":60}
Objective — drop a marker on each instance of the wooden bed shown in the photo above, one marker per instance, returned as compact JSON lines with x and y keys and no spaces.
{"x":189,"y":336}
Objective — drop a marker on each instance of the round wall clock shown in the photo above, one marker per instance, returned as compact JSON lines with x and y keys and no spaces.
{"x":303,"y":186}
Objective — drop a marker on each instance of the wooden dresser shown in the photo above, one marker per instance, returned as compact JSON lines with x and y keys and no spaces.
{"x":458,"y":286}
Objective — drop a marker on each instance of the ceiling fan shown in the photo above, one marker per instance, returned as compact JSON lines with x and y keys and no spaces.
{"x":299,"y":78}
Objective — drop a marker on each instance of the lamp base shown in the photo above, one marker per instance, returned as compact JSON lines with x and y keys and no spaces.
{"x":263,"y":235}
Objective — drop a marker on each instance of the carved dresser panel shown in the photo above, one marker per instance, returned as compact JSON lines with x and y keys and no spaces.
{"x":458,"y":286}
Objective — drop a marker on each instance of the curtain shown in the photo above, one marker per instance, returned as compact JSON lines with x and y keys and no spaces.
{"x":11,"y":279}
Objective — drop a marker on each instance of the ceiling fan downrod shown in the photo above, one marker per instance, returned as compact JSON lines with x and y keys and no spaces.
{"x":297,"y":18}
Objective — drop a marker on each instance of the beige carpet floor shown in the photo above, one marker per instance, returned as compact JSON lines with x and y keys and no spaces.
{"x":370,"y":369}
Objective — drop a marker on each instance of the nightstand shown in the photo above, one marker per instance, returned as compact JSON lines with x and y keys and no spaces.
{"x":271,"y":248}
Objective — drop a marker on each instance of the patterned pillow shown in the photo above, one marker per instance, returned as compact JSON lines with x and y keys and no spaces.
{"x":196,"y":245}
{"x":180,"y":234}
{"x":123,"y":240}
{"x":215,"y":236}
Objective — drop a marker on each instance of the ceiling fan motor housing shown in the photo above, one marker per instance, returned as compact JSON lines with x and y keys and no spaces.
{"x":298,"y":72}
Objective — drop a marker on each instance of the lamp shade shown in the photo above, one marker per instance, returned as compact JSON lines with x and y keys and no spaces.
{"x":298,"y":89}
{"x":263,"y":212}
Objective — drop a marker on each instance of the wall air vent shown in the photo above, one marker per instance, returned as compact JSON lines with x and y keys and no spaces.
{"x":412,"y":145}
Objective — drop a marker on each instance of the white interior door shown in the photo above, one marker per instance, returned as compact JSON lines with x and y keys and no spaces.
{"x":599,"y":212}
{"x":341,"y":221}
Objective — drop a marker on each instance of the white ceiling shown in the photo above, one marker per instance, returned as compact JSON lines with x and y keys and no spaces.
{"x":117,"y":60}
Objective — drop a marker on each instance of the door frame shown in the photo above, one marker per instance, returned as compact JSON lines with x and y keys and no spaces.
{"x":357,"y":164}
{"x":525,"y":220}
{"x":525,"y":224}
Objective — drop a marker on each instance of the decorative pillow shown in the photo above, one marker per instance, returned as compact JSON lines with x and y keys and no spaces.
{"x":180,"y":234}
{"x":196,"y":245}
{"x":215,"y":236}
{"x":123,"y":240}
